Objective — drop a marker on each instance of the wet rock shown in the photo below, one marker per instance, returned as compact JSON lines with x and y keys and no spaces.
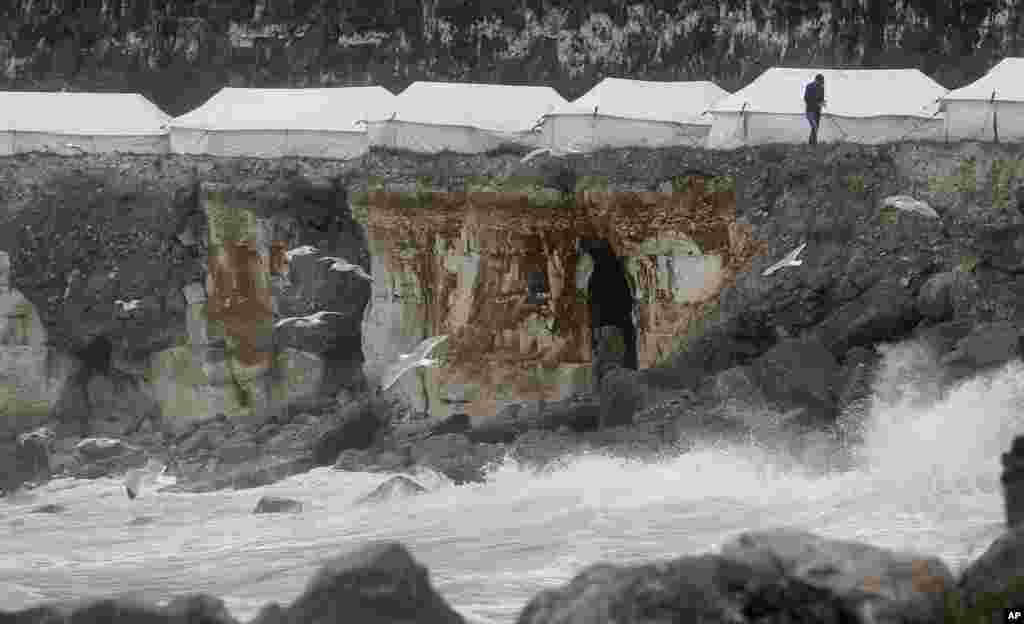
{"x":100,"y":448}
{"x":623,"y":394}
{"x":270,"y":613}
{"x":910,"y":205}
{"x":276,"y":504}
{"x":379,"y":583}
{"x":798,"y":373}
{"x":875,"y":583}
{"x":855,"y":378}
{"x":50,"y":508}
{"x":27,"y":460}
{"x":993,"y":581}
{"x":398,"y":486}
{"x":886,"y":312}
{"x":706,"y":588}
{"x":455,"y":456}
{"x":944,"y":293}
{"x":239,"y":452}
{"x":198,"y":608}
{"x":355,"y":427}
{"x":456,"y":423}
{"x":987,"y":345}
{"x":1002,"y":247}
{"x":1012,"y":479}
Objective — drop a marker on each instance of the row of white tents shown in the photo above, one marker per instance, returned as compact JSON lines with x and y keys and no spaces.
{"x":868,"y":106}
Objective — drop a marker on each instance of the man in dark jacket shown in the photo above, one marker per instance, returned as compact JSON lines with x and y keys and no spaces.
{"x":814,"y":97}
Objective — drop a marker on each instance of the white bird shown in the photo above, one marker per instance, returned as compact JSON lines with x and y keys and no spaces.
{"x":408,"y":361}
{"x":311,"y":320}
{"x":789,"y":261}
{"x":534,"y":153}
{"x":305,"y":250}
{"x":128,"y":306}
{"x":134,"y":479}
{"x":341,"y":264}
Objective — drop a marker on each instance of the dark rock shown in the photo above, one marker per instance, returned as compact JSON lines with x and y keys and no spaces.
{"x":50,"y":508}
{"x":855,"y":378}
{"x":270,"y":613}
{"x":886,"y":312}
{"x":1012,"y":479}
{"x":239,"y":452}
{"x":798,"y":373}
{"x":995,"y":580}
{"x":943,"y":338}
{"x":944,"y":293}
{"x":276,"y":504}
{"x":199,"y":609}
{"x":1002,"y":247}
{"x":890,"y":585}
{"x":988,"y":345}
{"x":705,"y":588}
{"x":379,"y":583}
{"x":456,"y":423}
{"x":101,"y":448}
{"x":355,"y":427}
{"x":623,"y":394}
{"x":456,"y":457}
{"x":398,"y":486}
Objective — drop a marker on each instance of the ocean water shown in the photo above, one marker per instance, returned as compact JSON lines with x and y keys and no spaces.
{"x":926,"y":480}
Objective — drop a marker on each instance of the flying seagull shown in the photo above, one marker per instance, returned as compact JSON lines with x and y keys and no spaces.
{"x":148,"y":474}
{"x":340,"y":264}
{"x":789,"y":261}
{"x":408,"y":361}
{"x":311,"y":320}
{"x":128,"y":306}
{"x":305,"y":250}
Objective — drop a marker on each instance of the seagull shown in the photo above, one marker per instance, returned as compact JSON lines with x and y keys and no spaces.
{"x":133,"y":479}
{"x":340,"y":264}
{"x":789,"y":261}
{"x":311,"y":320}
{"x":305,"y":250}
{"x":408,"y":361}
{"x":128,"y":306}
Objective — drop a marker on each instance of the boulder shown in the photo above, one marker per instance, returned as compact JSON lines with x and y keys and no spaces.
{"x":886,"y":312}
{"x":798,"y":373}
{"x":988,"y":345}
{"x":198,"y":608}
{"x":456,"y":423}
{"x":1002,"y":247}
{"x":398,"y":486}
{"x":706,"y":588}
{"x":623,"y":394}
{"x":943,"y":294}
{"x":1012,"y":479}
{"x":995,"y":580}
{"x":876,"y":584}
{"x":355,"y":426}
{"x":379,"y":583}
{"x":277,"y":504}
{"x":455,"y":456}
{"x":854,"y":381}
{"x":906,"y":203}
{"x":375,"y":460}
{"x":100,"y":448}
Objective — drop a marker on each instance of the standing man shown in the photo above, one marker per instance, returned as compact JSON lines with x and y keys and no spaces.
{"x":814,"y":97}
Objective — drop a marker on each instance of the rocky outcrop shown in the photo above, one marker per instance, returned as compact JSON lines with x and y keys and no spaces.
{"x":277,"y":504}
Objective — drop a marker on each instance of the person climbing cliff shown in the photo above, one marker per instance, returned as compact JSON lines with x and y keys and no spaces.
{"x":814,"y":98}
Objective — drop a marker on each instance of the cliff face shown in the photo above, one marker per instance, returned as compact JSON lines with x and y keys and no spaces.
{"x":179,"y":53}
{"x":465,"y":263}
{"x":517,"y":262}
{"x":203,"y":268}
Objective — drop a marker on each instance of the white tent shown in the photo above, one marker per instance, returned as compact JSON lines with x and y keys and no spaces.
{"x":432,"y":117}
{"x":993,"y":102}
{"x":633,"y":113}
{"x":73,"y":123}
{"x":271,"y":123}
{"x":862,"y":106}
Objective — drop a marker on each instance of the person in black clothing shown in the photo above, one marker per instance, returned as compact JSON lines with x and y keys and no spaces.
{"x":814,"y":97}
